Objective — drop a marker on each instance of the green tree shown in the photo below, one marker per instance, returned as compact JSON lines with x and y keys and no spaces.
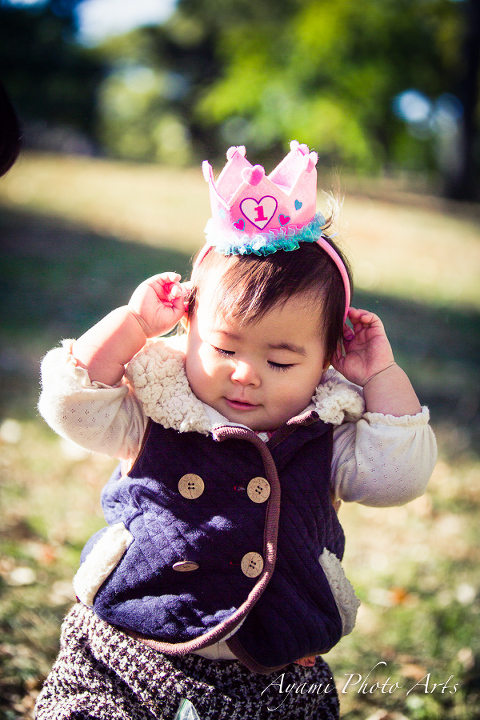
{"x":327,"y":71}
{"x":224,"y":72}
{"x":463,"y":184}
{"x":52,"y":80}
{"x":146,"y":101}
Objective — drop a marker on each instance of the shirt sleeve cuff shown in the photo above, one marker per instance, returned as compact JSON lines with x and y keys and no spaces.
{"x":417,"y":420}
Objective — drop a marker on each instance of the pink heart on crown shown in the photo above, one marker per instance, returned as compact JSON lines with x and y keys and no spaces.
{"x":259,"y":212}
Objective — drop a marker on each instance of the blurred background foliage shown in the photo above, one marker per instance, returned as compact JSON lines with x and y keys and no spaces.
{"x":377,"y":86}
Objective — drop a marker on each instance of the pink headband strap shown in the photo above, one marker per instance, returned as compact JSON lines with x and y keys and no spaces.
{"x":332,"y":253}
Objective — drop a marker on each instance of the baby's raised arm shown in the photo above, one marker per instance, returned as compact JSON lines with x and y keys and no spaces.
{"x":368,"y":361}
{"x":155,"y":307}
{"x":387,"y":457}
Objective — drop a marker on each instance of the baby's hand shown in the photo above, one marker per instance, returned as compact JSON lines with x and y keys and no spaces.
{"x":159,"y":303}
{"x":367,"y":350}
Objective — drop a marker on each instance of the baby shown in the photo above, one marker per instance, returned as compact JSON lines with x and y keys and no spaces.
{"x":237,"y":438}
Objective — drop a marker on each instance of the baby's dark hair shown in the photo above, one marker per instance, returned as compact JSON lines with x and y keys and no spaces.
{"x":251,"y":285}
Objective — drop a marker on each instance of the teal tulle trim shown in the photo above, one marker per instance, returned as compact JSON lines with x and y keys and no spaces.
{"x":288,"y":239}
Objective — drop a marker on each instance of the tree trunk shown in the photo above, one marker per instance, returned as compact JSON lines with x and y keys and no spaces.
{"x":461,"y":183}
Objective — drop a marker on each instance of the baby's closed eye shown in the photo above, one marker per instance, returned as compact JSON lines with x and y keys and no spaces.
{"x":221,"y":351}
{"x":280,"y":366}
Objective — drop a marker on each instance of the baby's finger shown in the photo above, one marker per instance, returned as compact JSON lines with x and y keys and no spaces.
{"x":360,"y":315}
{"x":363,"y":319}
{"x":170,"y":277}
{"x":162,"y":278}
{"x":168,"y":287}
{"x":175,"y":290}
{"x":174,"y":297}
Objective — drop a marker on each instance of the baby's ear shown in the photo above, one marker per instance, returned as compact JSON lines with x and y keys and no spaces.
{"x":189,"y":303}
{"x":187,"y":317}
{"x":327,"y":363}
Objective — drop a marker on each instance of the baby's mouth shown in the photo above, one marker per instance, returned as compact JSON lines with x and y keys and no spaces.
{"x":240,"y":404}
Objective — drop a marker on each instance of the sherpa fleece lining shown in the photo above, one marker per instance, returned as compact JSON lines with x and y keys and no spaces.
{"x":101,"y":562}
{"x":158,"y":375}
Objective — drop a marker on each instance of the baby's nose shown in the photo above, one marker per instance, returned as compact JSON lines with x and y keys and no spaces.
{"x":245,"y":374}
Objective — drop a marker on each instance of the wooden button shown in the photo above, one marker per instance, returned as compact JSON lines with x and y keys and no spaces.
{"x":252,"y":564}
{"x":258,"y":490}
{"x":185,"y":566}
{"x":191,"y":486}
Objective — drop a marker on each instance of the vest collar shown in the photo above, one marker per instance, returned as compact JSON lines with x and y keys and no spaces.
{"x":157,"y":374}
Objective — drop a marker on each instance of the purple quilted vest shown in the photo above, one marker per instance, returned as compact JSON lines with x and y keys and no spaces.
{"x":186,"y":580}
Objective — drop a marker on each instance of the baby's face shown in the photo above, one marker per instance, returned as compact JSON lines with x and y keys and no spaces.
{"x":259,"y":374}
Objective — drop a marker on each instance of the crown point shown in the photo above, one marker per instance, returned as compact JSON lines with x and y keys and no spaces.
{"x":234,"y":150}
{"x":207,"y":171}
{"x":311,"y":161}
{"x":296,"y":147}
{"x":254,"y":175}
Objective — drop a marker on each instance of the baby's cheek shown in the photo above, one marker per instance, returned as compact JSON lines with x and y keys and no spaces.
{"x":292,"y":395}
{"x":302,"y":392}
{"x":194,"y":371}
{"x":203,"y":371}
{"x":209,"y":363}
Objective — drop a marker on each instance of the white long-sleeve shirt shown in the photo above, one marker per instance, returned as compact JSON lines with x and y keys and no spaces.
{"x":378,"y":460}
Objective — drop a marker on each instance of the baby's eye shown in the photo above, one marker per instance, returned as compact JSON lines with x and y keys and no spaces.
{"x":220,"y":351}
{"x":280,"y":366}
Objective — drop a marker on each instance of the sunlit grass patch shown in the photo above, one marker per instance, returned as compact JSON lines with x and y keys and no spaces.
{"x":415,"y":569}
{"x":426,"y":250}
{"x":49,"y":506}
{"x":421,"y":252}
{"x":143,"y":203}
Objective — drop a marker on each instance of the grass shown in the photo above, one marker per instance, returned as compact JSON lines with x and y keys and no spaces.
{"x":77,"y":236}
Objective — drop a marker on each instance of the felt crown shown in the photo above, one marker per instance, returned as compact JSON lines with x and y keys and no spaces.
{"x":256,"y":213}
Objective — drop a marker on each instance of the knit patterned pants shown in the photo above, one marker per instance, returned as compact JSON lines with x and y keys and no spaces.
{"x":103,"y":674}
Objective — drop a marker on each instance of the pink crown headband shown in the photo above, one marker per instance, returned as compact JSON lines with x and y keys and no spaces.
{"x":257,"y":214}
